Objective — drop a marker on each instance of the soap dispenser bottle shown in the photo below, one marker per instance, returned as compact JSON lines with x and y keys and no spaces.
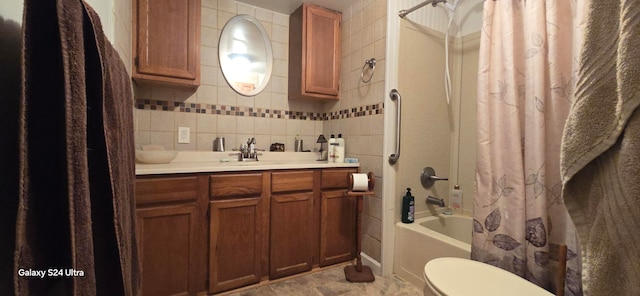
{"x":408,"y":207}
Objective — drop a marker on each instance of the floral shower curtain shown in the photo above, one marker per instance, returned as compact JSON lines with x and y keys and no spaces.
{"x":525,"y":86}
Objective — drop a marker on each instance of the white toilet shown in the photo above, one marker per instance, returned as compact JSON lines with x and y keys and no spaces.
{"x":461,"y":277}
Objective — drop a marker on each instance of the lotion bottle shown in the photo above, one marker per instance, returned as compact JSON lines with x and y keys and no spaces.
{"x":332,"y":148}
{"x":408,"y":207}
{"x":339,"y":154}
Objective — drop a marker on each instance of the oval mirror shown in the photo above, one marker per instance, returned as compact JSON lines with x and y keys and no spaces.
{"x":245,"y":55}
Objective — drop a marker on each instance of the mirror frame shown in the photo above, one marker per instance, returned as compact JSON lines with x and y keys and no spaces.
{"x":226,"y":36}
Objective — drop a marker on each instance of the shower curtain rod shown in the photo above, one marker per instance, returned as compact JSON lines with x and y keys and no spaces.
{"x":404,"y":12}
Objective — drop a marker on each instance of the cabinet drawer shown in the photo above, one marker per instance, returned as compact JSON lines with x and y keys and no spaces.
{"x":235,"y":185}
{"x":338,"y":178}
{"x":291,"y":181}
{"x":166,"y":189}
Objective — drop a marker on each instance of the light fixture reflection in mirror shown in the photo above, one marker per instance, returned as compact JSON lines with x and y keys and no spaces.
{"x":245,"y":55}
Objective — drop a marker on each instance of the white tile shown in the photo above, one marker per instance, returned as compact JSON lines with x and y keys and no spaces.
{"x":185,"y":119}
{"x":162,"y":120}
{"x":204,"y":141}
{"x":209,"y":75}
{"x":165,"y":139}
{"x":209,"y":37}
{"x":264,"y":15}
{"x":226,"y":124}
{"x":281,"y":19}
{"x":227,"y":5}
{"x":278,"y":126}
{"x":209,"y":56}
{"x":143,"y":120}
{"x":280,"y":34}
{"x":245,"y":125}
{"x":206,"y":123}
{"x":246,"y":9}
{"x":226,"y":96}
{"x":209,"y":17}
{"x":207,"y":94}
{"x":263,"y":125}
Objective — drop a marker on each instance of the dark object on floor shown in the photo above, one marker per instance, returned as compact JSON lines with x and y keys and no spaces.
{"x":355,"y":276}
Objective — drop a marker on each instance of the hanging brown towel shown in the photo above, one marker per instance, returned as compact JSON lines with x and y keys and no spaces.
{"x":76,"y":208}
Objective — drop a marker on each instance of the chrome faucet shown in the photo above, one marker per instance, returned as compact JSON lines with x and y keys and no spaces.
{"x":435,"y":201}
{"x":248,"y":151}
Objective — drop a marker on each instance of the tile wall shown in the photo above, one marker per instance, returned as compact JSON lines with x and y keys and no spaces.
{"x":363,"y":38}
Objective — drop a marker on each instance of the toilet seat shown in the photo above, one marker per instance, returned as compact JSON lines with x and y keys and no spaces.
{"x":459,"y":277}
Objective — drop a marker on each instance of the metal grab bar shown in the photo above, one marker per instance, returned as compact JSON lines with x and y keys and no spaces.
{"x":393,"y":158}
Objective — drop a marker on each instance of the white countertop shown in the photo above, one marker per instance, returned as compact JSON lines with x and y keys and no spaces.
{"x":204,"y":161}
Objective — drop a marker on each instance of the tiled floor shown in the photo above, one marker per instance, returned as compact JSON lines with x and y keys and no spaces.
{"x":331,"y":282}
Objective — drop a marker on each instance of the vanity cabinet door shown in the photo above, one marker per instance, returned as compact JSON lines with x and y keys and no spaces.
{"x":337,"y":227}
{"x":238,"y":229}
{"x":171,"y":234}
{"x":293,"y":229}
{"x":337,"y":218}
{"x":166,"y":42}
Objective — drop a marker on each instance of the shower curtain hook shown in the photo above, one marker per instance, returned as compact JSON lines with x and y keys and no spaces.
{"x":372,"y":64}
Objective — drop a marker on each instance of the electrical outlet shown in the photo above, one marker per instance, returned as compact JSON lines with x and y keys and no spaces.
{"x":183,"y":135}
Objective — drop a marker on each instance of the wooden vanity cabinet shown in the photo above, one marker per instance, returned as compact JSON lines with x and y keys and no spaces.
{"x":210,"y":233}
{"x":314,"y":53}
{"x":172,"y":234}
{"x":166,"y":42}
{"x":337,"y":218}
{"x":238,"y":229}
{"x":292,"y":228}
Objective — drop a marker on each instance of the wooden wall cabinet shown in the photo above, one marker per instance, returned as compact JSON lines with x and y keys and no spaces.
{"x":166,"y":42}
{"x":172,"y":234}
{"x":314,"y":53}
{"x":238,"y":229}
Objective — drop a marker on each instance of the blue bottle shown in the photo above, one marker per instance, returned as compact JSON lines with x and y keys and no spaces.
{"x":408,"y":207}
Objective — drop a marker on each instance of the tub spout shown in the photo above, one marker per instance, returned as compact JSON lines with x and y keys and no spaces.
{"x":435,"y":201}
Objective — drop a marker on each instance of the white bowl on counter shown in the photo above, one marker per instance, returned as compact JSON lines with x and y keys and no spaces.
{"x":155,"y":156}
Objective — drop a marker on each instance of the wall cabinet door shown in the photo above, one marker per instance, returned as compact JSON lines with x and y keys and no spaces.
{"x":291,"y":234}
{"x":236,"y":230}
{"x":166,"y":41}
{"x":171,"y":234}
{"x":314,"y":53}
{"x":337,"y":227}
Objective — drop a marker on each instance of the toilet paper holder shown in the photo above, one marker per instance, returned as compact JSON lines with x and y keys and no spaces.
{"x":371,"y":184}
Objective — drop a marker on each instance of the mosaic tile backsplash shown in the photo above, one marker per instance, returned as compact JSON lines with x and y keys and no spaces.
{"x":159,"y":105}
{"x":157,"y":122}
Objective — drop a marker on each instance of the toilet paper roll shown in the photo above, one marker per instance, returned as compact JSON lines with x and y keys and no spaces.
{"x":360,"y":182}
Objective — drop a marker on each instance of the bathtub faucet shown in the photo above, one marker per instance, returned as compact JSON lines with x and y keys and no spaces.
{"x":435,"y":201}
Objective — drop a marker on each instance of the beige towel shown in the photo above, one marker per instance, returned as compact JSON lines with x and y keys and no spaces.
{"x":600,"y":157}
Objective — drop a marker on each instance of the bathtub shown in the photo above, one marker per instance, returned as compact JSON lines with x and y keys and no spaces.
{"x":429,"y":238}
